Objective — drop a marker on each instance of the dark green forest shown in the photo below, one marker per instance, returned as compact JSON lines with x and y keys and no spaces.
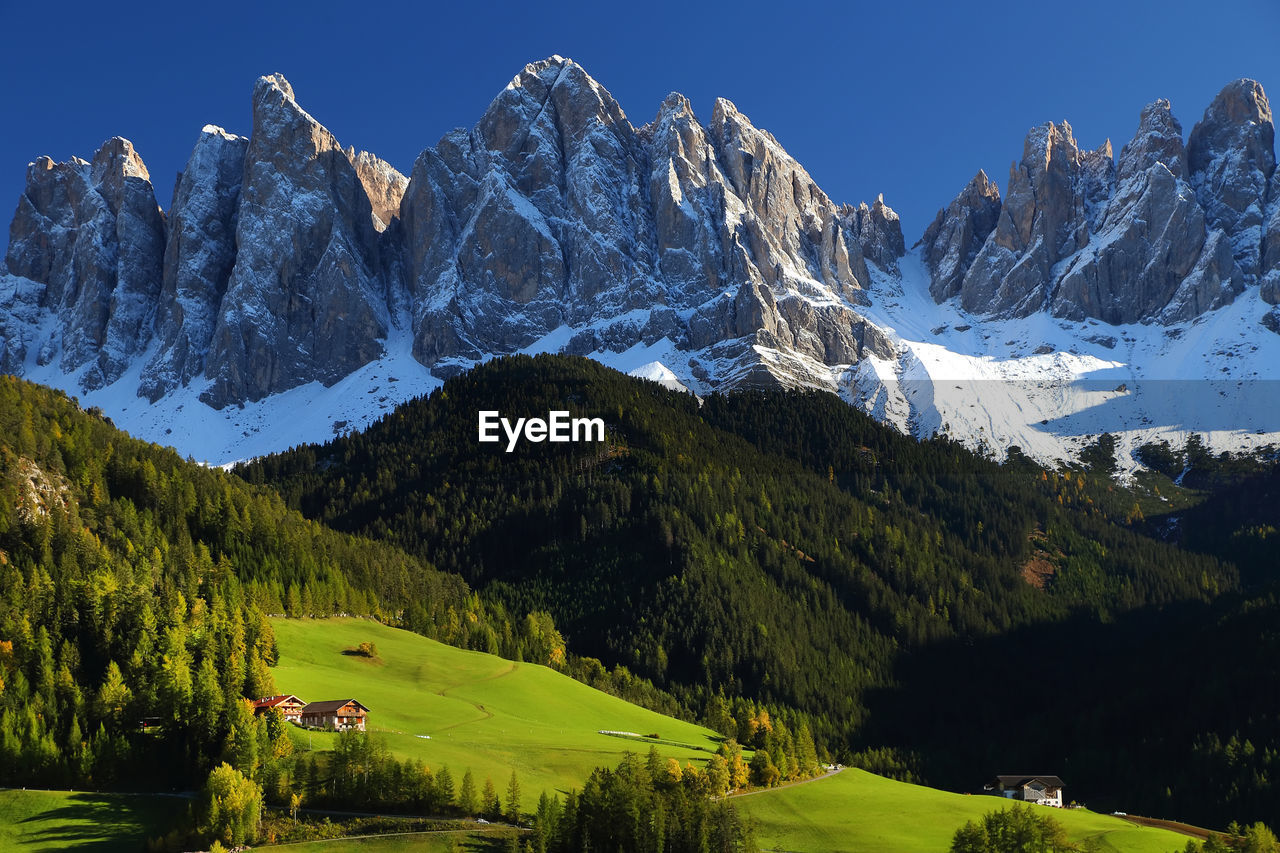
{"x":923,"y":611}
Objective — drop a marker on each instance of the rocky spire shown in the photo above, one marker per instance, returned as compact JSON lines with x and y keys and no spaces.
{"x":1231,"y":155}
{"x":957,"y":233}
{"x":1041,"y":221}
{"x":304,"y":301}
{"x":198,"y":259}
{"x":1165,"y":233}
{"x":554,"y":210}
{"x":92,"y":235}
{"x":1151,"y":255}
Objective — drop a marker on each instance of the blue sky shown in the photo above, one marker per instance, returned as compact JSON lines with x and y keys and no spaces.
{"x":906,"y":98}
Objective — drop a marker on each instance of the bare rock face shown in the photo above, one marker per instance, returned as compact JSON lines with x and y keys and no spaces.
{"x":1151,"y":254}
{"x":878,"y":231}
{"x":555,"y":211}
{"x":952,"y":241}
{"x":304,"y":301}
{"x":1163,"y":234}
{"x":1271,"y":244}
{"x":1231,"y":155}
{"x":93,"y":236}
{"x":288,"y":259}
{"x":1043,"y":220}
{"x":20,"y":313}
{"x":382,"y":183}
{"x":198,"y":260}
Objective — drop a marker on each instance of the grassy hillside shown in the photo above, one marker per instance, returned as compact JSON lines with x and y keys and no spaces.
{"x":478,"y":711}
{"x":103,"y":823}
{"x":855,"y":810}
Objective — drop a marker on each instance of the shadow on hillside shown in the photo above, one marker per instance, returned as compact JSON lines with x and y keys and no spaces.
{"x":1115,"y":708}
{"x":97,"y":823}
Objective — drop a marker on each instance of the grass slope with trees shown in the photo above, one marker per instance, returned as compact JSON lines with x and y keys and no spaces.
{"x":858,"y":811}
{"x":471,"y":711}
{"x":780,"y":557}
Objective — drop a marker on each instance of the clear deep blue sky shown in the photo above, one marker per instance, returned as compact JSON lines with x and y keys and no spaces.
{"x":905,"y":98}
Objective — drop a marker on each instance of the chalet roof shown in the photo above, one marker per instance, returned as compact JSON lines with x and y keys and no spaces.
{"x":275,"y":701}
{"x":1020,"y":780}
{"x":328,"y":706}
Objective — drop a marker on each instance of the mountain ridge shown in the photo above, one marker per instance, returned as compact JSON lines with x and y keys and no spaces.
{"x":288,"y":266}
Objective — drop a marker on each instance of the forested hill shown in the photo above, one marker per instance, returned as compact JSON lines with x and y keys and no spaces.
{"x":133,"y":590}
{"x":774,"y":546}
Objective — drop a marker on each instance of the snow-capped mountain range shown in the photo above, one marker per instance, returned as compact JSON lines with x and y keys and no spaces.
{"x":295,"y":288}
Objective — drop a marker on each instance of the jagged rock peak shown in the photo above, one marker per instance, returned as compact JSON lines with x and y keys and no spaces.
{"x":92,"y":234}
{"x":1165,"y":234}
{"x":879,"y":232}
{"x":674,"y":105}
{"x":276,"y":82}
{"x":198,"y":259}
{"x":382,"y":182}
{"x":306,"y":299}
{"x":1231,"y":155}
{"x":957,"y":233}
{"x":117,"y":159}
{"x":1157,"y":140}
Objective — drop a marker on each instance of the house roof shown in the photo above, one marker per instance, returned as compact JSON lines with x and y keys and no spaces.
{"x":1019,"y":781}
{"x":276,"y":701}
{"x":328,"y":706}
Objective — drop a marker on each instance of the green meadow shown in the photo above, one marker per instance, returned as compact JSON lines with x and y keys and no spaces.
{"x":464,"y":709}
{"x":858,"y":811}
{"x":101,"y":823}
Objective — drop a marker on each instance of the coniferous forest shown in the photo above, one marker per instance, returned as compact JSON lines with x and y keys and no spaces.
{"x":774,"y":564}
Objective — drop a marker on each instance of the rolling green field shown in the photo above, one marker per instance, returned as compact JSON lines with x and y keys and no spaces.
{"x":856,"y":810}
{"x":447,"y":706}
{"x":101,"y":823}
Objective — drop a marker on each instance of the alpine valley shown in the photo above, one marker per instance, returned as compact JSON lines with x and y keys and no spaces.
{"x":1128,"y":295}
{"x":965,"y":508}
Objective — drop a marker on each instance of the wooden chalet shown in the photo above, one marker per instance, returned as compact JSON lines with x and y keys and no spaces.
{"x":1044,"y":790}
{"x":336,"y":714}
{"x":290,"y":705}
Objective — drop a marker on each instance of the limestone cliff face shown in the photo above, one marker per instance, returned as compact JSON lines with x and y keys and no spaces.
{"x":90,"y":237}
{"x":304,"y":301}
{"x":198,"y":260}
{"x":1165,"y":233}
{"x":954,"y":238}
{"x":556,"y":211}
{"x":1231,"y":155}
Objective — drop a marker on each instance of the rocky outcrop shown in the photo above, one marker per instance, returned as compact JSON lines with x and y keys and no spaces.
{"x":555,"y":211}
{"x":1151,"y":254}
{"x":1043,"y":220}
{"x":1163,"y":234}
{"x":1231,"y":155}
{"x":92,"y":235}
{"x":952,"y":241}
{"x":1271,"y":245}
{"x":198,"y":259}
{"x":304,"y":301}
{"x":382,"y":183}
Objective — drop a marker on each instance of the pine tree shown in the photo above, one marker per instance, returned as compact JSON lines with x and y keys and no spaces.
{"x":513,"y":800}
{"x":468,"y":802}
{"x":489,"y":802}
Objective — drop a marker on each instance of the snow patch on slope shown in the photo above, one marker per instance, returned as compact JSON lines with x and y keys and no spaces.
{"x":308,"y":413}
{"x":1051,"y":386}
